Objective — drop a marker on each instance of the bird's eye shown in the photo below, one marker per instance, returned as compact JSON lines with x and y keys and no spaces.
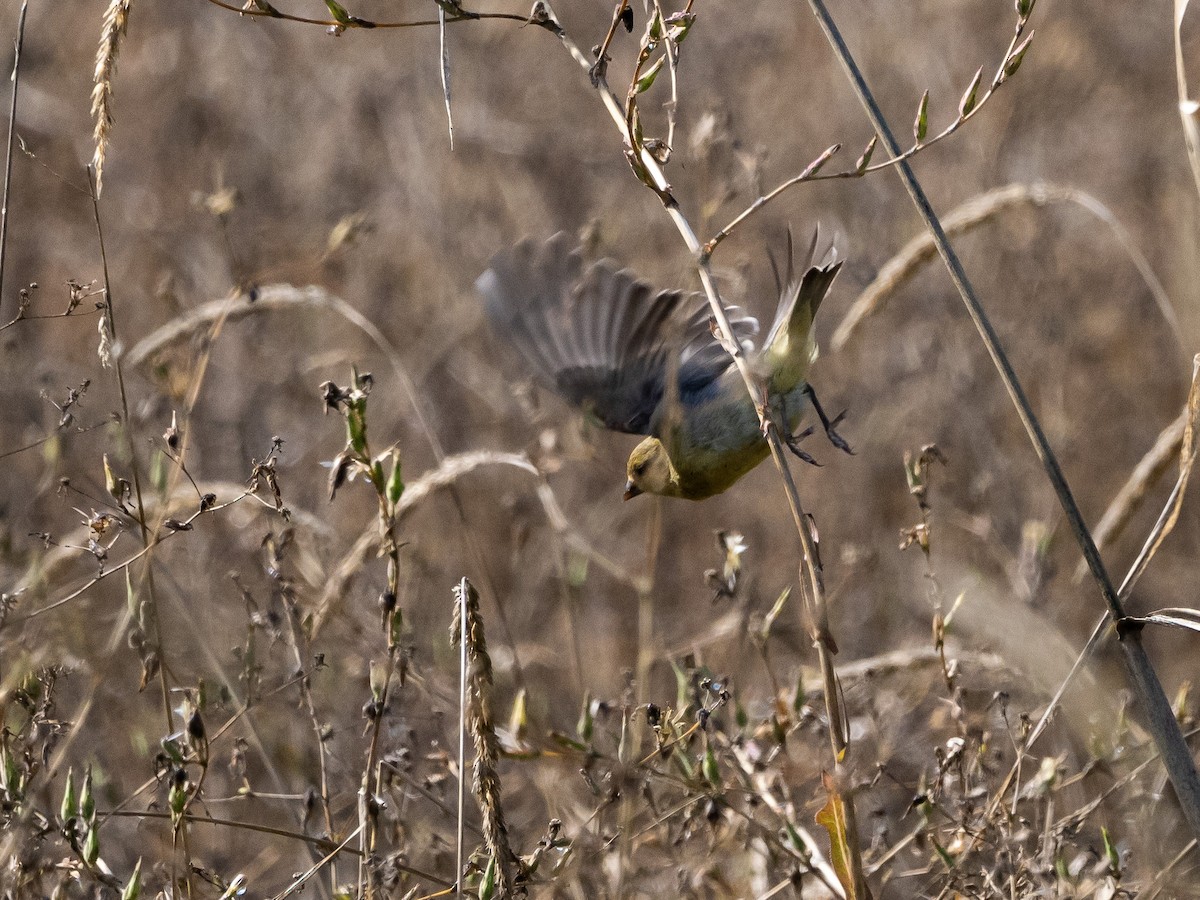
{"x":639,"y":468}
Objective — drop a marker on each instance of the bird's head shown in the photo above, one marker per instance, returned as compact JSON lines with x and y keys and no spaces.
{"x":650,"y":471}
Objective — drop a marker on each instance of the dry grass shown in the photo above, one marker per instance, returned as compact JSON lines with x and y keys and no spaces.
{"x":116,"y":22}
{"x":304,"y":645}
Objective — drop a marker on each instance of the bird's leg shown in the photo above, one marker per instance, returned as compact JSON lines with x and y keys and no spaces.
{"x":829,"y":425}
{"x":792,"y":441}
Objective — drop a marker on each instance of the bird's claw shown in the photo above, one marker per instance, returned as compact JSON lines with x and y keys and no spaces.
{"x":792,"y":441}
{"x":834,"y":438}
{"x":830,"y":425}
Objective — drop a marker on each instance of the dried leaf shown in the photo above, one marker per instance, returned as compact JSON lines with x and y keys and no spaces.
{"x":832,"y":817}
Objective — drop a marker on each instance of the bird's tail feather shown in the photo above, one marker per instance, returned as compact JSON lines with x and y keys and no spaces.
{"x":790,"y":348}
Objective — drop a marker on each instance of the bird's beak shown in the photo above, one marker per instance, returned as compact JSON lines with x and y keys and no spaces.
{"x":631,"y":490}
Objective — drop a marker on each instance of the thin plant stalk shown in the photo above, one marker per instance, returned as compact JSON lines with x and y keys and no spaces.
{"x":645,"y":659}
{"x":460,"y":831}
{"x":110,"y":323}
{"x":816,"y":609}
{"x":1189,"y":109}
{"x":12,"y":131}
{"x":444,"y":59}
{"x":1161,"y":720}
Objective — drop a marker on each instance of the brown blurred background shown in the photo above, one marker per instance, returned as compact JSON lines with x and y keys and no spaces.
{"x":307,"y":129}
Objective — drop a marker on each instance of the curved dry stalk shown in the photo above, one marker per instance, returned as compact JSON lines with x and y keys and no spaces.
{"x":1129,"y":498}
{"x":367,"y":546}
{"x":445,"y":476}
{"x":279,"y":297}
{"x":268,"y":298}
{"x":975,"y":212}
{"x":1170,"y":513}
{"x":1189,"y":108}
{"x":981,"y":209}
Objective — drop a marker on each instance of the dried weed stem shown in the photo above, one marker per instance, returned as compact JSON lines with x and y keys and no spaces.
{"x":12,"y":131}
{"x":466,"y":630}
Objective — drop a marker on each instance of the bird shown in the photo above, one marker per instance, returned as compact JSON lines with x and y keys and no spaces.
{"x":649,"y":362}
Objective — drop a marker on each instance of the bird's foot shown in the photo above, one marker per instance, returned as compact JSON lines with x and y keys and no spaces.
{"x":830,"y":425}
{"x":834,"y":438}
{"x":792,"y":442}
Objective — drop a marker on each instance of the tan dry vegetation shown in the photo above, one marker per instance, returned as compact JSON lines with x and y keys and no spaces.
{"x":241,"y":146}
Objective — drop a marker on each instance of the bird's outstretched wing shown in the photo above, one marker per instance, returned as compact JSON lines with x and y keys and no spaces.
{"x":599,"y":337}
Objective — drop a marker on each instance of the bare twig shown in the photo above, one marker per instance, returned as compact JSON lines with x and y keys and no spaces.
{"x":622,"y":13}
{"x":970,"y":105}
{"x":82,"y":429}
{"x":304,"y":877}
{"x":1156,"y":886}
{"x":154,"y":541}
{"x":807,"y":174}
{"x":300,"y":647}
{"x":463,"y":15}
{"x":321,"y":843}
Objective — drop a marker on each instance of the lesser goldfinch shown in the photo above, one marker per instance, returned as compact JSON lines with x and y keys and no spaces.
{"x":613,"y":345}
